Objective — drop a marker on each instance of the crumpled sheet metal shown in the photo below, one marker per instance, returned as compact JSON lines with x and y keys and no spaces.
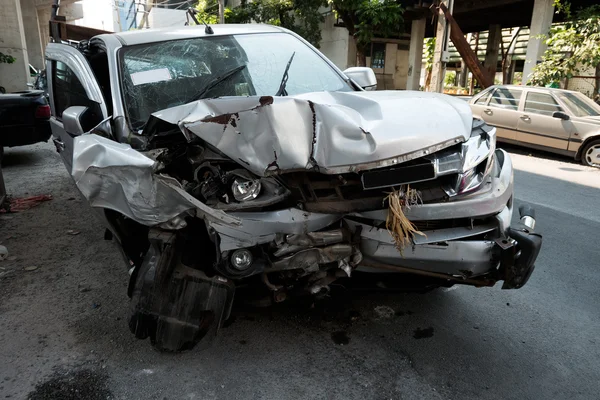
{"x":334,"y":131}
{"x":114,"y":176}
{"x":262,"y":227}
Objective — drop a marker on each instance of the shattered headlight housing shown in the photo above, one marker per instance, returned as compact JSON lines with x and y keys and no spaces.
{"x":473,"y":162}
{"x":244,"y":190}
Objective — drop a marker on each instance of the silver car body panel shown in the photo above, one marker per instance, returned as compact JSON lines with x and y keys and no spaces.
{"x":74,"y":59}
{"x":332,"y":132}
{"x":112,"y":175}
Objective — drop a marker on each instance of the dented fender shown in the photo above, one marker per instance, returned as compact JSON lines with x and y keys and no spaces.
{"x":114,"y":176}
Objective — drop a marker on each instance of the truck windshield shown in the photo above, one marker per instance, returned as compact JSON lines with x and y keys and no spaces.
{"x":161,"y":75}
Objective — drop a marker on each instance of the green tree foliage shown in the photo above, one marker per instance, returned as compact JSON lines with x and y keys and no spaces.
{"x":6,"y":59}
{"x":366,"y":19}
{"x":428,"y":54}
{"x":208,"y":11}
{"x":300,"y":16}
{"x":571,"y":46}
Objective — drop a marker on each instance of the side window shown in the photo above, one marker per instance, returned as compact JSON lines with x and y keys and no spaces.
{"x":506,"y":98}
{"x":68,"y":91}
{"x":484,"y":98}
{"x":541,"y":103}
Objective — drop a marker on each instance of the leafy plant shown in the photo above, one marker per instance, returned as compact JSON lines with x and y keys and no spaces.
{"x":300,"y":16}
{"x":366,"y":19}
{"x":208,"y":11}
{"x":6,"y":59}
{"x":428,"y":54}
{"x":571,"y":46}
{"x":450,"y":78}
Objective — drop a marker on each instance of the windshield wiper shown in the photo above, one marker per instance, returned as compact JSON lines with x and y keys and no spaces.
{"x":282,"y":91}
{"x":216,"y":81}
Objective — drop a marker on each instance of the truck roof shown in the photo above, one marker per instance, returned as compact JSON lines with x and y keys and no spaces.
{"x":131,"y":38}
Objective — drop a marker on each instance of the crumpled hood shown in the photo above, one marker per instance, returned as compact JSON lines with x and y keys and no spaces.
{"x":332,"y":131}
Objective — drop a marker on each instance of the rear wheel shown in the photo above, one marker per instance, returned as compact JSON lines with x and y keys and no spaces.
{"x":591,"y":154}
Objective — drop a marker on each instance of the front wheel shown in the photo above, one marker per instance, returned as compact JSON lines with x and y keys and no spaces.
{"x":590,"y":155}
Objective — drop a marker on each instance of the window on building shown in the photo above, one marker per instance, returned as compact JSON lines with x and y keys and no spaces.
{"x":506,"y":98}
{"x":68,"y":91}
{"x":541,"y":103}
{"x":377,"y":55}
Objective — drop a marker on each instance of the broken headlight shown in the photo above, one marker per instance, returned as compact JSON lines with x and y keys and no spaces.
{"x":244,"y":190}
{"x":476,"y":160}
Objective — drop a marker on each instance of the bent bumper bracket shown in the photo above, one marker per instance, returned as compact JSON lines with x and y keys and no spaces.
{"x":518,"y":256}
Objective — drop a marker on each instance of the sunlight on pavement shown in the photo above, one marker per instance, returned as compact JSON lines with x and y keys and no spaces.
{"x":566,"y":171}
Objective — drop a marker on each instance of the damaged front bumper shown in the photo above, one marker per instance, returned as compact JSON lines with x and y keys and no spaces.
{"x":481,"y":252}
{"x":183,"y":278}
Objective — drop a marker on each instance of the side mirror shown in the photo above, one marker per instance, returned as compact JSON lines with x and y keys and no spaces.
{"x":561,"y":115}
{"x":363,"y":77}
{"x":73,"y":120}
{"x":77,"y":120}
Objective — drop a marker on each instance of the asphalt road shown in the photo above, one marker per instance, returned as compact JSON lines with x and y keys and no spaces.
{"x":63,"y":307}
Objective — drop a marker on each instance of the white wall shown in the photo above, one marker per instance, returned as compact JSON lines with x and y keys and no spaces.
{"x":165,"y":18}
{"x":98,"y":14}
{"x":32,"y":33}
{"x":334,"y":42}
{"x":13,"y":77}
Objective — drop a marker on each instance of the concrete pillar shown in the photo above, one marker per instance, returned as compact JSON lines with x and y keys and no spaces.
{"x":510,"y":74}
{"x":13,"y":76}
{"x":415,"y":53}
{"x":442,"y":39}
{"x":543,"y":11}
{"x":491,"y":52}
{"x":32,"y":33}
{"x":463,"y":75}
{"x":43,"y":24}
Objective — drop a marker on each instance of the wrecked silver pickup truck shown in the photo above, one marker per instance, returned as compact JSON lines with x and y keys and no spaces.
{"x":244,"y":157}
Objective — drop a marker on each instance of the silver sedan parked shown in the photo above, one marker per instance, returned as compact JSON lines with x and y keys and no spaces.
{"x":560,"y":121}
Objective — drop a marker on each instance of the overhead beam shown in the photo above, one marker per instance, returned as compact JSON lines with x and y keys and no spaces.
{"x":474,"y":5}
{"x":73,"y":32}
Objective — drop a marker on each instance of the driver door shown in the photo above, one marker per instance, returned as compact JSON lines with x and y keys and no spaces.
{"x":71,"y":82}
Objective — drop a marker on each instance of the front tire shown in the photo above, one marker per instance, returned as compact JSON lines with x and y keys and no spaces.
{"x":590,"y":155}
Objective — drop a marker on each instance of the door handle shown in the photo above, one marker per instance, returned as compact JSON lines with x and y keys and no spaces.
{"x":525,"y":118}
{"x":488,"y":111}
{"x":60,"y":146}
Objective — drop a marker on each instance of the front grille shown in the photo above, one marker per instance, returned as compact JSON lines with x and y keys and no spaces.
{"x":421,"y":171}
{"x":344,"y":193}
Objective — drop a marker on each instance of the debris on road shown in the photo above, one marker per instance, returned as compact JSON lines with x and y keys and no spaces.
{"x":3,"y":253}
{"x":25,"y":203}
{"x":384,"y":312}
{"x":31,"y":268}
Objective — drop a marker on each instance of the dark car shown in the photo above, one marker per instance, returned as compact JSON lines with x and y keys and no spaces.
{"x":24,"y":119}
